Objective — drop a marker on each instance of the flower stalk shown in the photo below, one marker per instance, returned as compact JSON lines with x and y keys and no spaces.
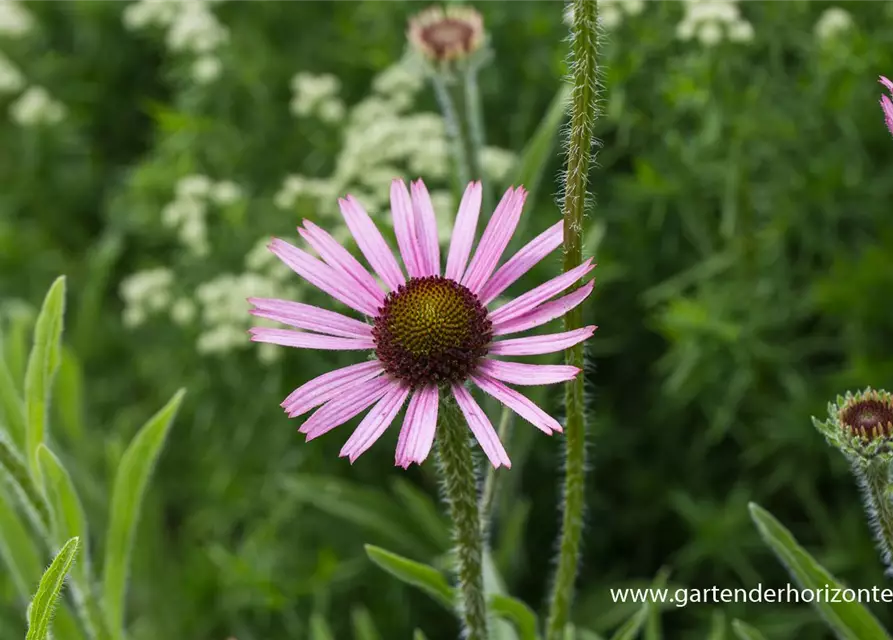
{"x":584,"y":73}
{"x":459,"y":481}
{"x":874,"y":479}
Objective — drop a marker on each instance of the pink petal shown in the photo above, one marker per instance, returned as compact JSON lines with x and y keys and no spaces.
{"x":536,"y":345}
{"x":376,"y":422}
{"x":426,"y":229}
{"x":495,"y":239}
{"x":887,"y":83}
{"x":405,"y":228}
{"x":481,"y":428}
{"x":534,"y":251}
{"x":302,"y":340}
{"x":527,"y":374}
{"x":463,"y":231}
{"x":308,"y":317}
{"x":887,"y":106}
{"x":419,"y":426}
{"x":371,"y":243}
{"x":340,"y":259}
{"x":324,"y":277}
{"x":347,"y":405}
{"x":544,"y":313}
{"x":329,"y":385}
{"x":533,"y":298}
{"x":518,"y":403}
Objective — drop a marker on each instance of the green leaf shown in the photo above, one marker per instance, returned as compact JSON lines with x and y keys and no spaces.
{"x":746,"y":632}
{"x":319,"y":628}
{"x":846,"y":619}
{"x":421,"y":576}
{"x":517,"y":612}
{"x":363,"y":626}
{"x":538,"y":151}
{"x":42,"y":365}
{"x":68,"y":397}
{"x":17,"y":549}
{"x":40,"y":612}
{"x":128,"y":490}
{"x":15,"y":470}
{"x":69,"y":521}
{"x":12,"y":409}
{"x":717,"y":625}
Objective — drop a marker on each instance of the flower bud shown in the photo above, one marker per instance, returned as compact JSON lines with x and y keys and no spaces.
{"x":861,"y":425}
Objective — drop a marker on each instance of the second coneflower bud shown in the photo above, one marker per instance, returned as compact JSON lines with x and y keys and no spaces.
{"x":861,"y":425}
{"x":444,"y":35}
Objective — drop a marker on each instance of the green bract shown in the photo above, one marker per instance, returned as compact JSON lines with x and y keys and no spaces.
{"x":861,"y":425}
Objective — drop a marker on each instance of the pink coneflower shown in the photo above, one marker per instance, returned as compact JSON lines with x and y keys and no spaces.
{"x":887,"y":103}
{"x":429,"y":333}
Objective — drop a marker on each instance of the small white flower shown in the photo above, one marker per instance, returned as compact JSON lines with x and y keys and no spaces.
{"x":710,"y":33}
{"x":206,"y":69}
{"x":15,"y":21}
{"x":150,"y":13}
{"x":741,"y":31}
{"x":11,"y":79}
{"x":194,"y":186}
{"x":226,"y":192}
{"x":610,"y":16}
{"x":196,"y":29}
{"x":832,"y":23}
{"x":36,"y":107}
{"x":331,"y":111}
{"x":497,"y":163}
{"x":183,"y":311}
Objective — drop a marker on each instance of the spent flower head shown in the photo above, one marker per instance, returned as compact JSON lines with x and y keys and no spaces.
{"x":861,"y":425}
{"x":446,"y":34}
{"x":428,"y":332}
{"x":887,"y":103}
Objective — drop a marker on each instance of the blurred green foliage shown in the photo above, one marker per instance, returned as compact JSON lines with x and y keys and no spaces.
{"x":743,"y":233}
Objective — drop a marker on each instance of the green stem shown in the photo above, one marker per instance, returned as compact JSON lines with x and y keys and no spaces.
{"x":490,"y":482}
{"x":874,"y":478}
{"x":459,"y":481}
{"x":583,"y":115}
{"x":476,"y":138}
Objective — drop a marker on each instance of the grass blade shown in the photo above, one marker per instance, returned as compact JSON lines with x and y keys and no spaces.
{"x":744,"y":631}
{"x":128,"y":490}
{"x":42,"y":365}
{"x":40,"y":612}
{"x":846,"y":619}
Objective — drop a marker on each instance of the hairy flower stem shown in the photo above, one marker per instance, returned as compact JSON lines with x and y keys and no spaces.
{"x":583,"y":114}
{"x":459,"y":100}
{"x":874,"y":479}
{"x":459,"y":481}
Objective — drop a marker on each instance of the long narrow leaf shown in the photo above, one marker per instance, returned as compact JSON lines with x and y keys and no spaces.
{"x":744,"y":631}
{"x":419,"y":575}
{"x":14,"y":470}
{"x":516,"y":612}
{"x":42,"y":365}
{"x":128,"y":490}
{"x":20,"y":555}
{"x":12,"y":409}
{"x":40,"y":613}
{"x":68,"y":522}
{"x":849,"y":620}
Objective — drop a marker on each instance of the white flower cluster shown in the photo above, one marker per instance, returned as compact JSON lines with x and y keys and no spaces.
{"x":611,"y":12}
{"x":187,"y":213}
{"x":316,"y":96}
{"x":36,"y":107}
{"x":710,"y":21}
{"x":146,"y":293}
{"x":15,"y":21}
{"x":192,"y":29}
{"x":11,"y":79}
{"x":384,"y":139}
{"x":833,"y":22}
